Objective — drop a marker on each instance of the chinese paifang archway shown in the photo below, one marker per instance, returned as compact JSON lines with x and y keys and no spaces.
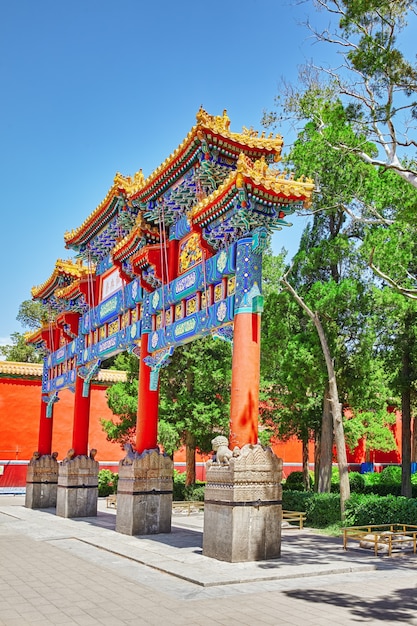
{"x":162,"y":261}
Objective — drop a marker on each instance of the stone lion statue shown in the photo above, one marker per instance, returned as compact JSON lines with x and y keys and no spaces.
{"x":220,"y":446}
{"x":70,"y":455}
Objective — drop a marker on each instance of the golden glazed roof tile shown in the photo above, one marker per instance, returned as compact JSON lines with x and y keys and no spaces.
{"x":260,"y":174}
{"x":13,"y":368}
{"x":121,"y":184}
{"x":219,"y":125}
{"x":62,"y":268}
{"x":21,"y":369}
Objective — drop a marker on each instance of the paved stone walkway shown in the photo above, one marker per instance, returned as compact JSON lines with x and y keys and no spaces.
{"x":80,"y":571}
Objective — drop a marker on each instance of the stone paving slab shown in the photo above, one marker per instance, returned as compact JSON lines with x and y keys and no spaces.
{"x":179,"y":553}
{"x":52,"y":572}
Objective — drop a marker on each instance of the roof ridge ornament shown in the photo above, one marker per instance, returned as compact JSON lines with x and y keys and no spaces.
{"x":217,"y":123}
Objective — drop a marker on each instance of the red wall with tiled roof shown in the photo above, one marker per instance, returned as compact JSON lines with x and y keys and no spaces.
{"x":19,"y":421}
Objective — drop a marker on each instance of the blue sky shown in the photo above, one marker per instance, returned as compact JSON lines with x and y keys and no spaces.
{"x":93,"y":87}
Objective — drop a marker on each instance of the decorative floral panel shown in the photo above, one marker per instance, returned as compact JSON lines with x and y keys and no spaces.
{"x":113,"y":327}
{"x":191,"y":306}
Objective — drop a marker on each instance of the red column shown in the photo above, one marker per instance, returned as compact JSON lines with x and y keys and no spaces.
{"x":45,"y":431}
{"x":244,"y":404}
{"x":172,"y":259}
{"x":147,"y":420}
{"x":81,"y":419}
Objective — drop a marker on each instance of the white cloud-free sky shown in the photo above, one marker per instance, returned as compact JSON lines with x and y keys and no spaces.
{"x":93,"y":87}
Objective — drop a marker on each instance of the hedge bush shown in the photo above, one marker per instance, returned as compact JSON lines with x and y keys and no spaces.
{"x":356,"y":482}
{"x":390,"y":474}
{"x":362,"y":509}
{"x":322,"y":509}
{"x":295,"y":500}
{"x":107,"y":483}
{"x":295,"y":481}
{"x":189,"y":492}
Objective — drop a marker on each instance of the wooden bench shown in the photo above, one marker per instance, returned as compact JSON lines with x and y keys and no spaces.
{"x":188,"y":505}
{"x":382,"y":538}
{"x":111,"y":501}
{"x":297,"y":517}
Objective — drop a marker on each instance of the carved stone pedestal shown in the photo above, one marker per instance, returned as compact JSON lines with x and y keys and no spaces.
{"x":77,"y":487}
{"x":144,"y":494}
{"x":41,"y":482}
{"x":243,"y":507}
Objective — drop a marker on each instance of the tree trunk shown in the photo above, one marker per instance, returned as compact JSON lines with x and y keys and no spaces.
{"x":317,"y":460}
{"x":339,"y":437}
{"x":406,"y":425}
{"x":326,"y":447}
{"x":414,"y":443}
{"x":306,"y":473}
{"x":190,"y":459}
{"x":335,"y":406}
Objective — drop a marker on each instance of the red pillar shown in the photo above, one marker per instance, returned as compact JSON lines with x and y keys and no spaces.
{"x":147,"y":419}
{"x":244,"y":404}
{"x":81,"y":419}
{"x":172,"y":259}
{"x":45,"y":431}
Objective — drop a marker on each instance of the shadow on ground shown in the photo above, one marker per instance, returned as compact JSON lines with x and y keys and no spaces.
{"x":399,"y":606}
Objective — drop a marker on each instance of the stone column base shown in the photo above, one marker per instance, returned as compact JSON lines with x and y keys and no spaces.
{"x":77,"y":487}
{"x":144,"y":493}
{"x":243,"y":507}
{"x":41,"y":481}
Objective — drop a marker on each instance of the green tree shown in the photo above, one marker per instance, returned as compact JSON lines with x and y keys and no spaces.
{"x":20,"y":351}
{"x":122,"y":399}
{"x":375,"y":80}
{"x":195,"y":394}
{"x":31,"y":315}
{"x":194,"y":399}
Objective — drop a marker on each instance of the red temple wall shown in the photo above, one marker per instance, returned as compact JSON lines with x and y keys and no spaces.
{"x":19,"y":423}
{"x":20,"y":402}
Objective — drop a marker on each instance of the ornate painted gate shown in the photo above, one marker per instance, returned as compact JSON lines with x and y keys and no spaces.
{"x":163,"y":261}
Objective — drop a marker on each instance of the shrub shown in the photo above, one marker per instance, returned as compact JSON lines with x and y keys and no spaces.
{"x":178,"y":486}
{"x":323,"y":510}
{"x":362,"y":509}
{"x":357,"y":482}
{"x":390,"y":474}
{"x":195,"y":492}
{"x":371,"y":478}
{"x":189,"y":492}
{"x":107,"y":483}
{"x":381,"y":489}
{"x":296,"y":500}
{"x":295,"y":481}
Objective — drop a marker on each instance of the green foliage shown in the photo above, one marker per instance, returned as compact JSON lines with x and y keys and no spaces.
{"x":107,"y":483}
{"x":390,"y":474}
{"x":122,"y":399}
{"x":323,"y":510}
{"x":381,"y":489}
{"x":357,"y":482}
{"x":20,"y":351}
{"x":182,"y":491}
{"x":294,"y":478}
{"x":195,"y":492}
{"x":295,"y":481}
{"x":364,"y":509}
{"x":294,"y":500}
{"x":371,"y":478}
{"x":32,"y":314}
{"x":178,"y":485}
{"x":195,"y":392}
